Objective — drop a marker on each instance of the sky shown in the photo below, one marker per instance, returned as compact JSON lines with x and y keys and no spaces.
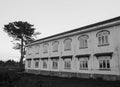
{"x":50,"y":17}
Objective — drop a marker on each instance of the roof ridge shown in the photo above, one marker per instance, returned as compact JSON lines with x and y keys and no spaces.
{"x":81,"y":28}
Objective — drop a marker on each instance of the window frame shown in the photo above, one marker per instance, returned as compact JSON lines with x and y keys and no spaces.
{"x":83,"y":63}
{"x":44,"y":63}
{"x":36,"y":63}
{"x":67,"y":63}
{"x":67,"y":45}
{"x":103,"y":38}
{"x":83,"y":41}
{"x":104,"y":62}
{"x":29,"y":61}
{"x":55,"y":63}
{"x":45,"y":47}
{"x":37,"y":48}
{"x":55,"y":46}
{"x":29,"y":50}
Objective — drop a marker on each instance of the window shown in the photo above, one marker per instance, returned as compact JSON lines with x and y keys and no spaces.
{"x":55,"y":46}
{"x":55,"y":63}
{"x":36,"y":63}
{"x":37,"y":48}
{"x":103,"y":37}
{"x":83,"y":62}
{"x":29,"y":50}
{"x":67,"y":63}
{"x":83,"y":41}
{"x":45,"y":48}
{"x":44,"y":63}
{"x":104,"y":62}
{"x":29,"y":63}
{"x":67,"y":44}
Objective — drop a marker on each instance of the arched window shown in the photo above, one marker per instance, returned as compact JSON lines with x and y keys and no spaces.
{"x":37,"y":47}
{"x":103,"y":37}
{"x":83,"y":41}
{"x":45,"y":48}
{"x":29,"y":50}
{"x":55,"y":46}
{"x":67,"y":44}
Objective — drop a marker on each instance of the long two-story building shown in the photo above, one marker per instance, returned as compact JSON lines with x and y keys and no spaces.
{"x":92,"y":51}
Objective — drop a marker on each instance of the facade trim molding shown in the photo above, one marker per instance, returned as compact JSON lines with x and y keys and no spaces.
{"x":82,"y":55}
{"x":68,"y":56}
{"x":103,"y":54}
{"x":54,"y":57}
{"x":44,"y":58}
{"x":36,"y":59}
{"x":29,"y":59}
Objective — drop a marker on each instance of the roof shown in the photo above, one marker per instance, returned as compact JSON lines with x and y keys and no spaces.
{"x":81,"y":28}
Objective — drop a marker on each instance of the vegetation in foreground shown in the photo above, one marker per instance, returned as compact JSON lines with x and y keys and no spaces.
{"x":13,"y":78}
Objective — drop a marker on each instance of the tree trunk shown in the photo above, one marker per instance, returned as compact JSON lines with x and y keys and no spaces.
{"x":22,"y":54}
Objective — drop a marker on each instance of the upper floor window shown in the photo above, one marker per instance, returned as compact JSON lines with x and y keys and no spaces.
{"x":83,"y":41}
{"x":29,"y":63}
{"x":45,"y":48}
{"x":67,"y":44}
{"x":29,"y":50}
{"x":103,"y":37}
{"x":55,"y":46}
{"x":37,"y":47}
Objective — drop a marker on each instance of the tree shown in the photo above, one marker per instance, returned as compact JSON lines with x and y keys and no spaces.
{"x":23,"y":32}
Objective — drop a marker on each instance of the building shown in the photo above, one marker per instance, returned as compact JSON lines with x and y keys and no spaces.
{"x":91,"y":51}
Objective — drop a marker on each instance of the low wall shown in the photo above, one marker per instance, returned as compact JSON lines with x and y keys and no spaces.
{"x":71,"y":74}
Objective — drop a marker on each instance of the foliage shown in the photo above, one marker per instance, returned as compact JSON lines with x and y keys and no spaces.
{"x":8,"y":63}
{"x":21,"y":30}
{"x":23,"y":33}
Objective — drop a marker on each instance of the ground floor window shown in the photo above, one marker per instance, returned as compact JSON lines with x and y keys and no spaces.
{"x":44,"y":63}
{"x":55,"y":63}
{"x":104,"y":62}
{"x":36,"y":63}
{"x":83,"y":63}
{"x":67,"y":63}
{"x":29,"y":63}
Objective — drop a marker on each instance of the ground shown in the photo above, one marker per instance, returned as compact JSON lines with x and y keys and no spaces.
{"x":12,"y":78}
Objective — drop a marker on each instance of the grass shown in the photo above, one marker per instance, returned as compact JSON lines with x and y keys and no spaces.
{"x":12,"y":78}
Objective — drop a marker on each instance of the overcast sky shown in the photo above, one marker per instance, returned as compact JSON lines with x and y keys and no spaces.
{"x":51,"y":17}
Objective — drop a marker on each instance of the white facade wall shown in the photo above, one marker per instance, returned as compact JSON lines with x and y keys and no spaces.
{"x":93,"y":48}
